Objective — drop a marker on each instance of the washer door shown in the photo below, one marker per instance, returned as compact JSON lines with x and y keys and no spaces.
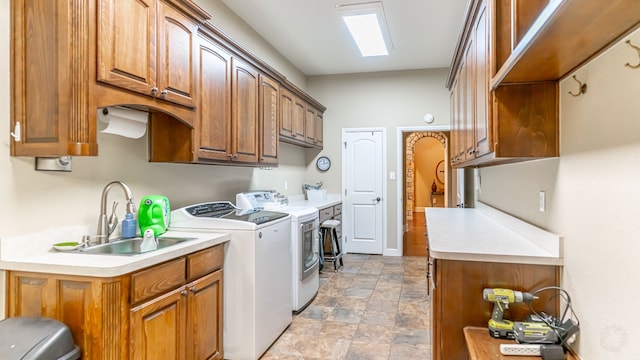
{"x":308,"y":236}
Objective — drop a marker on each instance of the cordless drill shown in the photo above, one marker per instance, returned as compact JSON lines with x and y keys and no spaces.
{"x":499,"y":327}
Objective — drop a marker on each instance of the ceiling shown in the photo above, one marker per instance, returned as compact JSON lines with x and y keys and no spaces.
{"x":312,"y":36}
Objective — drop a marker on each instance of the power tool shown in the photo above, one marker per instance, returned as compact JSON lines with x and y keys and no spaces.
{"x":498,"y":326}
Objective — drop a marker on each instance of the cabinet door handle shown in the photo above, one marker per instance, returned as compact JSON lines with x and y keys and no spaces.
{"x":193,"y":289}
{"x":184,"y":292}
{"x":154,"y":91}
{"x":163,"y":93}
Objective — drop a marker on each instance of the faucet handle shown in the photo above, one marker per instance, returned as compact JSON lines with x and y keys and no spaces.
{"x":113,"y":219}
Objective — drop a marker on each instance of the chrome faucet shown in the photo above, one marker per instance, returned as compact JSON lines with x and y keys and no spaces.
{"x":104,"y":228}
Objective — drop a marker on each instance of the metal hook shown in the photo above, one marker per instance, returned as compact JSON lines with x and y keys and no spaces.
{"x":636,"y":49}
{"x":582,"y":87}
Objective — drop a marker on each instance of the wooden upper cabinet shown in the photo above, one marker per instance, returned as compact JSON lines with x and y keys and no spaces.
{"x":521,"y":50}
{"x":177,"y":56}
{"x":542,"y":40}
{"x":147,"y":47}
{"x":482,"y":136}
{"x":126,"y":48}
{"x":286,"y":113}
{"x":516,"y":123}
{"x":50,"y":84}
{"x":299,"y":119}
{"x":309,"y":125}
{"x":244,"y":112}
{"x":319,"y":128}
{"x":214,"y":108}
{"x":269,"y":114}
{"x":292,"y":116}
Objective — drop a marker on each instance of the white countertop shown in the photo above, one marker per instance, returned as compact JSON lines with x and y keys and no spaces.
{"x":34,"y":253}
{"x":486,"y":234}
{"x":331,"y":200}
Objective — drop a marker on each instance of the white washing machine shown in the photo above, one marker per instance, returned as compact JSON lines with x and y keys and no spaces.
{"x":257,"y":272}
{"x":305,"y":237}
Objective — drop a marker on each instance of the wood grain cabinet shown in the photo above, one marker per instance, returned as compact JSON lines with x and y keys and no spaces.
{"x":213,"y":130}
{"x":506,"y":67}
{"x":70,"y":58}
{"x":456,"y":298}
{"x":291,"y":116}
{"x":50,"y":82}
{"x":170,"y":310}
{"x":513,"y":123}
{"x":301,"y":121}
{"x":148,"y":47}
{"x":269,"y":119}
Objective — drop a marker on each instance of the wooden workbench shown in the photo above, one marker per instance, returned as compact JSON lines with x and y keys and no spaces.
{"x":482,"y":346}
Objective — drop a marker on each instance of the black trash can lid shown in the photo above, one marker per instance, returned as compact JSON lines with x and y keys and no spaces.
{"x":36,"y":338}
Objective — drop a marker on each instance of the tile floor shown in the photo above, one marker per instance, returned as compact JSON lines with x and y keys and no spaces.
{"x":374,"y":308}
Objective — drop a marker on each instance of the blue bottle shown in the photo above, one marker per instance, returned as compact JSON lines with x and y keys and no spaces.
{"x":129,"y":226}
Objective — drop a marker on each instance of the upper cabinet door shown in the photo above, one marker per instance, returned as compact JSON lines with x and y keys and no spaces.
{"x":244,"y":112}
{"x":214,"y":106}
{"x":269,"y":113}
{"x":50,"y":82}
{"x":126,"y":46}
{"x":177,"y":56}
{"x":148,"y":47}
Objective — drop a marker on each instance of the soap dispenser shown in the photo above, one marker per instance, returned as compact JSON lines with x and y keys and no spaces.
{"x":129,"y":226}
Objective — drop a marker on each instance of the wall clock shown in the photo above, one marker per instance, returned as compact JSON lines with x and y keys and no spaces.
{"x":323,"y":163}
{"x":440,"y":171}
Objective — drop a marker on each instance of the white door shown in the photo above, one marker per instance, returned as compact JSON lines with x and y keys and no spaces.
{"x":363,"y":184}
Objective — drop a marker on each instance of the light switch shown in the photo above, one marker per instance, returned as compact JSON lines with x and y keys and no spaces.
{"x":392,"y":175}
{"x":543,"y":201}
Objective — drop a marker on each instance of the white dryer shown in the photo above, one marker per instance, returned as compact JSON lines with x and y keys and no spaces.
{"x":257,"y":272}
{"x":305,"y":237}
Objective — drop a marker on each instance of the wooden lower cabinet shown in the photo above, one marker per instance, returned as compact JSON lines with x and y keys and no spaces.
{"x":456,"y":302}
{"x":128,"y":317}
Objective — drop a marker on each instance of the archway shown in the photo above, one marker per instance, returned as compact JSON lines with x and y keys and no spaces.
{"x":410,"y":168}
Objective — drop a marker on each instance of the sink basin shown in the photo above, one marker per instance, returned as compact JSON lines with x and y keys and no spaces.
{"x":129,"y":246}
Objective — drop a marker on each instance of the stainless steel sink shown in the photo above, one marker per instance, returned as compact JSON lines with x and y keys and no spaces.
{"x":129,"y":246}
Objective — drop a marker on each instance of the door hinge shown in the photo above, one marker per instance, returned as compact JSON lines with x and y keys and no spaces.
{"x":345,"y":144}
{"x":345,"y":192}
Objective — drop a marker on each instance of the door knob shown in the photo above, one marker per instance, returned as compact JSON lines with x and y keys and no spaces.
{"x":377,"y":199}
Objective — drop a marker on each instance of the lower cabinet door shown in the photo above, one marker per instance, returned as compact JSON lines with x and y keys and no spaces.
{"x":158,"y":327}
{"x":204,"y":324}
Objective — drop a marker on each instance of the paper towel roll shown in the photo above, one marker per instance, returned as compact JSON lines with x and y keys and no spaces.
{"x":125,"y":122}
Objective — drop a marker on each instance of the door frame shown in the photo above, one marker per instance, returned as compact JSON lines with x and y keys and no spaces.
{"x":384,"y":180}
{"x":400,"y":178}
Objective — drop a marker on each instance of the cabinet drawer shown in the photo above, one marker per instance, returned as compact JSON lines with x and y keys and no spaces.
{"x":157,"y":280}
{"x":205,"y":261}
{"x":326,"y":214}
{"x":337,"y":209}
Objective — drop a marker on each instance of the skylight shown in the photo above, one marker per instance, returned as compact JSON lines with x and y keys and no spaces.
{"x":367,"y":25}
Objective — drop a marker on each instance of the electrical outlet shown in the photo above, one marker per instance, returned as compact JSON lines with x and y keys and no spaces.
{"x":543,"y":201}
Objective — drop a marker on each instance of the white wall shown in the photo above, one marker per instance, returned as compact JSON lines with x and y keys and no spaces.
{"x":386,"y":99}
{"x":593,"y":194}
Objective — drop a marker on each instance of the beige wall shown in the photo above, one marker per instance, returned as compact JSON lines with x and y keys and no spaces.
{"x":386,"y":99}
{"x":592,"y":200}
{"x":428,"y":153}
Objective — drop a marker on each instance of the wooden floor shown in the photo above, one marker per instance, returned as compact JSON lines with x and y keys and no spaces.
{"x":415,"y":241}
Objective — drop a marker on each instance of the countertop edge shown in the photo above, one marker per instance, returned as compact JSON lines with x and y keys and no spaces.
{"x":106,"y":265}
{"x":495,"y":258}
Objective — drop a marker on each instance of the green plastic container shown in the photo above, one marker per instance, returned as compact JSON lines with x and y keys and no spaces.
{"x":154,"y":213}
